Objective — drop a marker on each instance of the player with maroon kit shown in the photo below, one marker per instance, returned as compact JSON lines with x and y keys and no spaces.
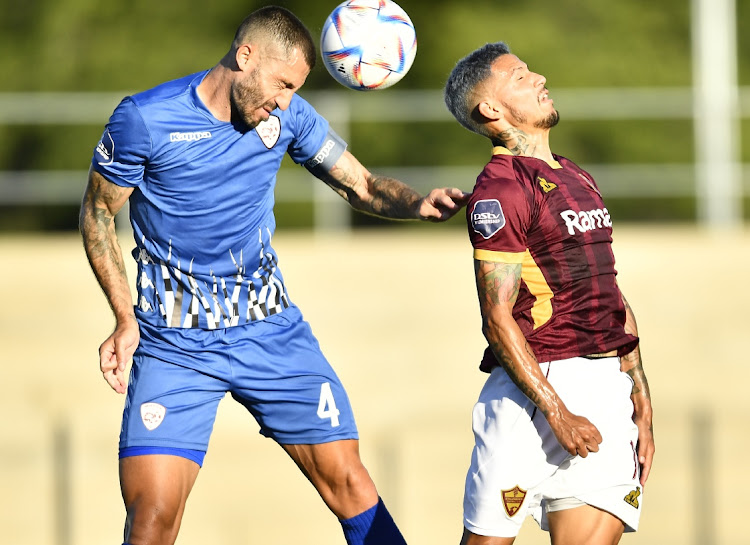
{"x":563,"y":424}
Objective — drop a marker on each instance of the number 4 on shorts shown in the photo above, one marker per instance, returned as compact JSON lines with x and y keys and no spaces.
{"x":327,"y":405}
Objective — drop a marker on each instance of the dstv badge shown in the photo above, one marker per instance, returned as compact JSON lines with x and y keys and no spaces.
{"x":487,"y":217}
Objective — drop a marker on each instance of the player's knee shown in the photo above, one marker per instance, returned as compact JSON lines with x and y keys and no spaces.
{"x":349,"y":476}
{"x":357,"y":478}
{"x":152,"y":523}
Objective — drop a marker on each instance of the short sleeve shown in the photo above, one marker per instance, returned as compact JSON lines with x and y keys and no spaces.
{"x":498,"y":216}
{"x":123,"y":151}
{"x":311,"y":130}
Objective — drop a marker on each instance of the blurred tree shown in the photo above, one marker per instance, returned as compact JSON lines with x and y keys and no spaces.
{"x":88,"y":45}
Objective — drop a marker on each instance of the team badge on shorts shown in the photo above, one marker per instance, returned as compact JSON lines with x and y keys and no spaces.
{"x":632,"y":497}
{"x":513,"y":499}
{"x":487,"y":218}
{"x":152,"y":415}
{"x":269,"y":131}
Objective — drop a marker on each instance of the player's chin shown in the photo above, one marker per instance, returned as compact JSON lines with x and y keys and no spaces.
{"x":255,"y":118}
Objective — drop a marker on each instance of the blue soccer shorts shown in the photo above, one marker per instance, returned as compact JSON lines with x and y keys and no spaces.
{"x":273,"y":367}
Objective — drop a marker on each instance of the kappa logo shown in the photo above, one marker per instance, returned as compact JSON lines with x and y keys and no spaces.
{"x":632,"y":497}
{"x":105,"y":149}
{"x":513,"y":499}
{"x":269,"y":131}
{"x":487,"y":217}
{"x":188,"y":136}
{"x":546,"y":186}
{"x":322,"y":154}
{"x":152,"y":415}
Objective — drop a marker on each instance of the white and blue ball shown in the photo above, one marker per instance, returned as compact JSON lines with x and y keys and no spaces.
{"x":368,"y":44}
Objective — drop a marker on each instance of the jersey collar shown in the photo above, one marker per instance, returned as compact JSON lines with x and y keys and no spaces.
{"x":500,"y":150}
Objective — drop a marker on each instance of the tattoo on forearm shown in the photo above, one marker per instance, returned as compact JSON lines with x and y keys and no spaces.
{"x":392,"y":198}
{"x":515,"y":373}
{"x":499,"y":283}
{"x":97,"y":228}
{"x":633,"y":366}
{"x":632,"y":363}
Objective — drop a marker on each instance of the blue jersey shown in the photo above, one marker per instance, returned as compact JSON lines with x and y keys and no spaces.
{"x":202,"y":208}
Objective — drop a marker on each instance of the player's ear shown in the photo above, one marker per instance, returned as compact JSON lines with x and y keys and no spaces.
{"x":246,"y":57}
{"x":489,"y":111}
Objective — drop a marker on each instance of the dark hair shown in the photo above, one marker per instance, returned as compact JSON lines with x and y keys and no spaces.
{"x":469,"y":72}
{"x":279,"y":26}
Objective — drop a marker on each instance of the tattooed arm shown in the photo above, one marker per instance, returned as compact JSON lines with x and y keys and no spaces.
{"x":387,"y":197}
{"x":497,"y":287}
{"x":643,"y":413}
{"x":101,"y":201}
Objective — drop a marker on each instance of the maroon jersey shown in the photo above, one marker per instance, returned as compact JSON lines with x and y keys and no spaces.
{"x":552,"y":220}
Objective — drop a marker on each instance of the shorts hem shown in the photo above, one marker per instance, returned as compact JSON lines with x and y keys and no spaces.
{"x":488,"y":533}
{"x":284,"y":439}
{"x":630,"y":522}
{"x":162,"y":443}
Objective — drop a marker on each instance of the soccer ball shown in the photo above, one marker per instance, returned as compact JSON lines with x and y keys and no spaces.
{"x":368,"y":44}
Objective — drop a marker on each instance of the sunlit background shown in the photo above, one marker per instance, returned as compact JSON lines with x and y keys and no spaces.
{"x":654,"y":100}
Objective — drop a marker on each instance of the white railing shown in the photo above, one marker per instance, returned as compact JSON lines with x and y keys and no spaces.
{"x":343,"y":108}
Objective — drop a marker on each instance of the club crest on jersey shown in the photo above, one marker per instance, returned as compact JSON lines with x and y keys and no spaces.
{"x":487,"y":217}
{"x":513,"y":499}
{"x":269,"y":131}
{"x":152,"y":415}
{"x":546,"y":186}
{"x":105,"y":149}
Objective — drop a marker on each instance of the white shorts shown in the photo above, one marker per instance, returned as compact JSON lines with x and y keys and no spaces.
{"x":518,"y":468}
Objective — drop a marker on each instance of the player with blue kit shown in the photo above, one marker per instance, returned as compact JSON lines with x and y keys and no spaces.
{"x":197,"y":160}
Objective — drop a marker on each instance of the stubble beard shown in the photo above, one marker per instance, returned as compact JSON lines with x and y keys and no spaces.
{"x":245,"y":97}
{"x":545,"y":123}
{"x":548,"y":122}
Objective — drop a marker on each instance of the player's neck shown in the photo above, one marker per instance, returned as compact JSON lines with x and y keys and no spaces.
{"x":214,"y":92}
{"x":526,"y":143}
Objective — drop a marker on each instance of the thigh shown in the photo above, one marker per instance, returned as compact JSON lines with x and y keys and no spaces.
{"x":470,"y":538}
{"x":515,"y":453}
{"x":585,"y":525}
{"x":285,"y":381}
{"x":168,"y":405}
{"x":155,"y":489}
{"x":607,"y":479}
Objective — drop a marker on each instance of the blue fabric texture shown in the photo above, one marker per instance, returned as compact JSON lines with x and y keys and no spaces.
{"x":191,"y":454}
{"x":372,"y":527}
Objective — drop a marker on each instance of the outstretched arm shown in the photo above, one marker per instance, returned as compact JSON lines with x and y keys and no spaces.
{"x":101,"y":201}
{"x":497,"y":286}
{"x":643,"y":413}
{"x":388,"y":197}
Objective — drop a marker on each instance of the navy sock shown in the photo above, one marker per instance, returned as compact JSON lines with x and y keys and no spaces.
{"x":373,"y":527}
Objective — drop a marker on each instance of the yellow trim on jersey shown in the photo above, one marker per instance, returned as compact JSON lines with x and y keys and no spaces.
{"x":541,"y":311}
{"x":500,"y":150}
{"x":499,"y":257}
{"x":531,"y":274}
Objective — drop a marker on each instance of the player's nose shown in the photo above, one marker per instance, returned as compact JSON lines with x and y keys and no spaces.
{"x":284,"y":98}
